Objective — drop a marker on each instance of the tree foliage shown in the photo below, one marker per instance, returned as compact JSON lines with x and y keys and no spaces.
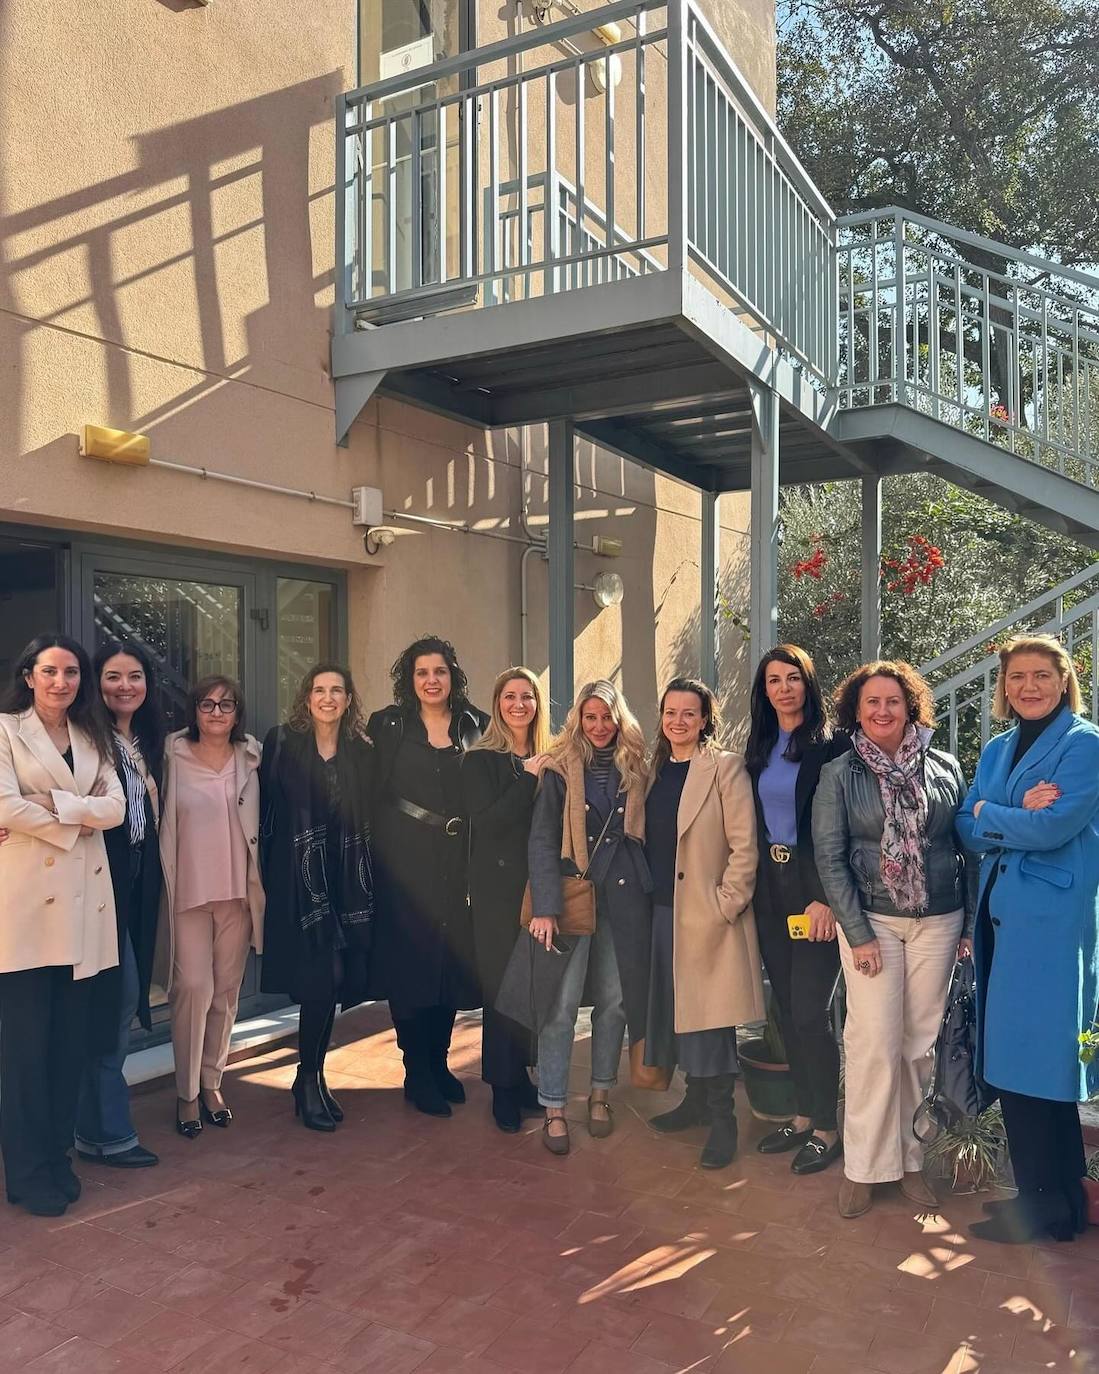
{"x":981,"y":113}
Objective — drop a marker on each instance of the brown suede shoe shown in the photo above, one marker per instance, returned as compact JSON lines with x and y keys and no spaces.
{"x":855,"y":1198}
{"x":917,"y":1189}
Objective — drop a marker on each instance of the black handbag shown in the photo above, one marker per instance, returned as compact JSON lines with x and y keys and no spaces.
{"x":956,"y":1091}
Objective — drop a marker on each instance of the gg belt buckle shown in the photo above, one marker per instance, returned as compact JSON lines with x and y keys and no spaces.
{"x":780,"y":853}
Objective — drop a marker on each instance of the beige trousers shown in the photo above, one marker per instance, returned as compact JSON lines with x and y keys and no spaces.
{"x":892,"y":1024}
{"x":211,"y":950}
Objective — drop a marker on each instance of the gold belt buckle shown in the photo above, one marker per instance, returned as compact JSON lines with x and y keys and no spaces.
{"x":453,"y":826}
{"x":780,"y":853}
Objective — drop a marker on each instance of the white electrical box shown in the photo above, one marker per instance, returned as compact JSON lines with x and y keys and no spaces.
{"x":368,"y":506}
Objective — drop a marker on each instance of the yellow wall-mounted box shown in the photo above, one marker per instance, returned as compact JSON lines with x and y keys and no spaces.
{"x":114,"y":445}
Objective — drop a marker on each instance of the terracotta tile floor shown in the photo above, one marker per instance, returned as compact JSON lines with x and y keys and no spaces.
{"x":403,"y":1243}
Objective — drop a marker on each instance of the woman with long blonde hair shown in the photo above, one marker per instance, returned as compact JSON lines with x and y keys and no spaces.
{"x":499,"y":779}
{"x":589,"y":819}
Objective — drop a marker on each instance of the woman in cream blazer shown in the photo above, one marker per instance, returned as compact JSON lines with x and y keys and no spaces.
{"x":58,"y":793}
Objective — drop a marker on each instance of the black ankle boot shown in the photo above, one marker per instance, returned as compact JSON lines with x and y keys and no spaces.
{"x":450,"y":1087}
{"x":1029,"y":1217}
{"x":309,"y":1104}
{"x":720,"y":1149}
{"x":505,"y":1109}
{"x":335,"y":1111}
{"x":692,"y":1111}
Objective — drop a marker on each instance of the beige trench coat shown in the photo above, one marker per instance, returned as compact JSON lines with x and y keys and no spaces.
{"x":56,"y":899}
{"x":716,"y":964}
{"x":247,"y":757}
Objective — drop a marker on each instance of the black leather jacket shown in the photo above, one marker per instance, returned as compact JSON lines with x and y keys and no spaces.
{"x":848,"y":818}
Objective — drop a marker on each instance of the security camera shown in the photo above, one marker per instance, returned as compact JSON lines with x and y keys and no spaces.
{"x":378,"y":537}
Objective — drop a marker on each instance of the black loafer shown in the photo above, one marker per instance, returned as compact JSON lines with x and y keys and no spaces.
{"x":136,"y":1157}
{"x":782,"y":1140}
{"x":814,"y":1156}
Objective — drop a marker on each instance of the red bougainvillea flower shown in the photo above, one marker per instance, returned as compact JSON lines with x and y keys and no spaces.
{"x":814,"y":565}
{"x":917,"y":569}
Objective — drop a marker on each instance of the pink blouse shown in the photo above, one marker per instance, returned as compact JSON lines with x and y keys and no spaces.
{"x":211,"y":855}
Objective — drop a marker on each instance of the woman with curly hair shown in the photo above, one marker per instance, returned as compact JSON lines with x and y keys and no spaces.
{"x":424,"y":954}
{"x":895,"y":874}
{"x":589,"y":818}
{"x":315,"y":795}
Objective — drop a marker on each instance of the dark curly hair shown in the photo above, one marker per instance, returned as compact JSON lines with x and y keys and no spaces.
{"x":148,"y":721}
{"x":351,"y":722}
{"x":917,"y":694}
{"x":404,"y":692}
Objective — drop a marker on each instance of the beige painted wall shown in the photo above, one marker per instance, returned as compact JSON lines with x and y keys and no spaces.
{"x":166,"y":266}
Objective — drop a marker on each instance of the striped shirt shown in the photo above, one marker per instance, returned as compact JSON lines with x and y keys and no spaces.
{"x":133,"y":777}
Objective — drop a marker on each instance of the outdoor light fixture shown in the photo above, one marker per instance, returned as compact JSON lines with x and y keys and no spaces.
{"x":114,"y":445}
{"x":378,"y":537}
{"x":608,"y":589}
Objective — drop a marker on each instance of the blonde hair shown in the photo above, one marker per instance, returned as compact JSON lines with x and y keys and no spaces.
{"x":629,"y":744}
{"x":1053,"y":649}
{"x":498,"y":737}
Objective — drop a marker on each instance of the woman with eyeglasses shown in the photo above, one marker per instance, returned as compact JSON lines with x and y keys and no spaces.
{"x":499,"y":778}
{"x":315,"y":786}
{"x":423,"y":952}
{"x":212,"y":911}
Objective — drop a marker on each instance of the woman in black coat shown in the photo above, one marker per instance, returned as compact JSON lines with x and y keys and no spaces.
{"x":789,"y":742}
{"x":105,"y":1131}
{"x":424,"y":960}
{"x":499,"y":778}
{"x":316,"y":782}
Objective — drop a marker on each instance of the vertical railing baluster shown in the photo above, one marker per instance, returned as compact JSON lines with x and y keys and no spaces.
{"x":470,"y":186}
{"x":551,"y":211}
{"x":391,"y":207}
{"x":441,"y":137}
{"x":608,"y":166}
{"x":959,"y":341}
{"x":680,"y":111}
{"x":416,"y":229}
{"x":493,"y":261}
{"x":639,"y":132}
{"x":342,"y":276}
{"x":986,"y":355}
{"x":1015,"y":402}
{"x":521,"y":141}
{"x":581,"y":155}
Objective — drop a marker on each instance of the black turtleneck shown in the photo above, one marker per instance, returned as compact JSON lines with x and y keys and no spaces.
{"x":1029,"y":730}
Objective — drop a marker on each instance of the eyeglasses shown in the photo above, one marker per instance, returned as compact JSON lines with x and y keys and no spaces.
{"x":227,"y":706}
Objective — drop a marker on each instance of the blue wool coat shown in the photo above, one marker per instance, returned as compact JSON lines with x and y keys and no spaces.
{"x":1044,"y":907}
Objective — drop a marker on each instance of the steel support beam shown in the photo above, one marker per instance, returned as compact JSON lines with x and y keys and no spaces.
{"x":710,"y":563}
{"x":562,"y":595}
{"x":871,"y":568}
{"x":763,"y":619}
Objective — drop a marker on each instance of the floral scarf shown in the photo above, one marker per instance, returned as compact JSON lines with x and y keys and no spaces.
{"x":904,"y":798}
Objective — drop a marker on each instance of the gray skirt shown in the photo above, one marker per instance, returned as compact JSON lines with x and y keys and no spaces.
{"x":702,"y":1054}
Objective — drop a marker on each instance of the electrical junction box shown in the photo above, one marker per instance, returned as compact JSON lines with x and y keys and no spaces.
{"x":367,"y":503}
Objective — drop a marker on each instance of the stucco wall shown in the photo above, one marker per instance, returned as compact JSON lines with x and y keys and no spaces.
{"x":166,"y":266}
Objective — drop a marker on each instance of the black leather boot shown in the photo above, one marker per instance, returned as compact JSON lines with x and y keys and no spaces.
{"x":440,"y":1027}
{"x":309,"y":1104}
{"x":720,"y":1149}
{"x":335,"y":1111}
{"x":692,"y":1111}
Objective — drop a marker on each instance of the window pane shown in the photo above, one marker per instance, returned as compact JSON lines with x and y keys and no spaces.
{"x":191,"y":629}
{"x":305,"y":625}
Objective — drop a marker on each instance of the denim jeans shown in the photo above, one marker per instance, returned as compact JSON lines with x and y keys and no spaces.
{"x":593,"y":955}
{"x":103,"y":1124}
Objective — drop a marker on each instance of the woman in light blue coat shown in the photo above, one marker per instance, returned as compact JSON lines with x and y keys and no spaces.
{"x":1033,"y":816}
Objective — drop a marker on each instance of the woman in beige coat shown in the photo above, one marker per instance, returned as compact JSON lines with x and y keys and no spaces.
{"x":212,"y":905}
{"x":700,"y":841}
{"x":58,"y":793}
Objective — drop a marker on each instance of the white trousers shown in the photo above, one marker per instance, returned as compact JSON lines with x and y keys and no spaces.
{"x":892,"y":1023}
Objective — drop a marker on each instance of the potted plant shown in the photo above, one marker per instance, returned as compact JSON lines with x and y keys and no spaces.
{"x":767,"y":1078}
{"x":971,"y":1153}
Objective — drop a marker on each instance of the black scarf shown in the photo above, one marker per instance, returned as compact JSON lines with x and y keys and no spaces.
{"x":329,"y":823}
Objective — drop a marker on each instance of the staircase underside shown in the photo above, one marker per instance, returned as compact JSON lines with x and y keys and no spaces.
{"x":660,"y":371}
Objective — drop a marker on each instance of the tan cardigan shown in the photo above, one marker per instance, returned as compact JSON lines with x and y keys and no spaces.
{"x":56,"y":899}
{"x":247,"y":756}
{"x":716,"y":968}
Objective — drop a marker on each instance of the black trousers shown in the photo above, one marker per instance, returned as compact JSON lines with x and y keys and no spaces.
{"x":1045,"y":1141}
{"x":506,"y":1050}
{"x":803,"y":976}
{"x":44,"y":1032}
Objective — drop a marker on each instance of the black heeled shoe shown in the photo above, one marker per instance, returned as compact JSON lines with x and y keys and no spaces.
{"x":190,"y":1128}
{"x":423,"y":1092}
{"x":41,"y":1202}
{"x":309,"y":1104}
{"x":335,"y":1111}
{"x":221,"y":1117}
{"x":505,"y":1109}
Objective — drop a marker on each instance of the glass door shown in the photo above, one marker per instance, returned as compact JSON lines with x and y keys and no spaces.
{"x":30,"y":597}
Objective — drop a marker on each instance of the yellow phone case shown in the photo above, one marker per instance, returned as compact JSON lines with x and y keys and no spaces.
{"x":798,"y":926}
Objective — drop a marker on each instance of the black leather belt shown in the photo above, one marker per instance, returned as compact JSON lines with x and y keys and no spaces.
{"x":449,"y":825}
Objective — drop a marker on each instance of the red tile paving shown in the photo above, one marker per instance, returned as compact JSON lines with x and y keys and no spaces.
{"x":405,"y":1245}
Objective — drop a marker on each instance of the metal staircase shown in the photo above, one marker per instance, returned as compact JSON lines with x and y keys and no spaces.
{"x":595,"y":224}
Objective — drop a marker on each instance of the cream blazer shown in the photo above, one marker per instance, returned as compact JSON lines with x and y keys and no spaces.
{"x":56,"y":899}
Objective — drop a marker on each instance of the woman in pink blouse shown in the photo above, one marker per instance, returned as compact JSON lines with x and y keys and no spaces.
{"x":213,"y":897}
